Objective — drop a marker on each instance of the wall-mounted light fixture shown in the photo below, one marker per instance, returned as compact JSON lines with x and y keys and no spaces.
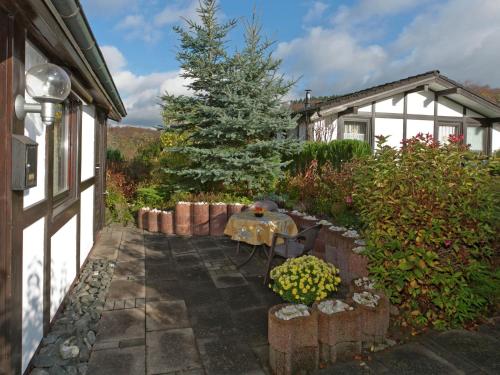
{"x":48,"y":84}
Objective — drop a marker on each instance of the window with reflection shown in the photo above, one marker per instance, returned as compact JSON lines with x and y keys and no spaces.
{"x":355,"y":129}
{"x":61,"y":151}
{"x":476,"y":138}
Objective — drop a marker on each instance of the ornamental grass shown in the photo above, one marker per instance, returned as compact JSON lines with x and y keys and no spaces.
{"x":305,"y":279}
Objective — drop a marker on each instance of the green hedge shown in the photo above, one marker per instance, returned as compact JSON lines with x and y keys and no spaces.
{"x":336,"y":152}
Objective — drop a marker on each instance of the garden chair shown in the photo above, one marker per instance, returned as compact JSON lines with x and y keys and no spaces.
{"x":267,"y":205}
{"x":293,"y":246}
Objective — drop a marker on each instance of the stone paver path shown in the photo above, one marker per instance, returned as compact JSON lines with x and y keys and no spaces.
{"x":179,"y":306}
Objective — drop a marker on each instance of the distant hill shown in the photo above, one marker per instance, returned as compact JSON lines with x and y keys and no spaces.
{"x":128,"y":139}
{"x":488,"y":92}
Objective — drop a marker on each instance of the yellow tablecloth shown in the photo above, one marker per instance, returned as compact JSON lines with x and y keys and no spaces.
{"x":246,"y":227}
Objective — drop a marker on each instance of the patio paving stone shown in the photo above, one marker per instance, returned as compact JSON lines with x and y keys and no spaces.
{"x":229,"y":356}
{"x":164,"y":290}
{"x":163,"y":315}
{"x":160,"y":271}
{"x":132,"y":268}
{"x":179,"y":306}
{"x":125,"y":289}
{"x":228,"y":279}
{"x":120,"y":325}
{"x":130,"y":361}
{"x":172,"y":350}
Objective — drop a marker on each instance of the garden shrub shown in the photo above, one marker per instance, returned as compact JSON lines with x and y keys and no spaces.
{"x":323,"y":190}
{"x":150,"y":196}
{"x":429,"y":213}
{"x":335,"y":153}
{"x":117,"y":208}
{"x":305,"y":279}
{"x":114,"y":155}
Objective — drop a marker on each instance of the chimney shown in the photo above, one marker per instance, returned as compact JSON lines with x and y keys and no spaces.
{"x":307,"y":102}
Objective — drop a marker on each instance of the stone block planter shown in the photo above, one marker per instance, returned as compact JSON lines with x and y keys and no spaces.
{"x":142,"y":218}
{"x":293,"y":344}
{"x":319,"y":249}
{"x":218,"y":218}
{"x":183,"y":226}
{"x":234,"y":208}
{"x":339,"y":333}
{"x":374,"y":320}
{"x":361,"y":284}
{"x":201,"y":219}
{"x":153,"y":220}
{"x":333,"y":236}
{"x":167,"y":223}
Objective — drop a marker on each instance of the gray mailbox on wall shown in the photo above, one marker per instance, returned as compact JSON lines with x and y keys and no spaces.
{"x":24,"y":162}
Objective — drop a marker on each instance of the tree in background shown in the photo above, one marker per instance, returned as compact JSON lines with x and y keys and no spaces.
{"x":236,"y":121}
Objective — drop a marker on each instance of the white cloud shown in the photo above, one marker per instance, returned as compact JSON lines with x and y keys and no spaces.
{"x":114,"y":58}
{"x":315,"y":11}
{"x":326,"y":57}
{"x":148,"y":27}
{"x":174,"y":13}
{"x":140,"y":93}
{"x":346,"y":56}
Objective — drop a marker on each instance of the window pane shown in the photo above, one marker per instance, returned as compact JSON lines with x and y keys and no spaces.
{"x":355,"y":130}
{"x":61,"y":151}
{"x":445,"y":132}
{"x":475,"y":137}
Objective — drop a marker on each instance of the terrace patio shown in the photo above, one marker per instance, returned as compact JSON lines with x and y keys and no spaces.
{"x":179,"y":306}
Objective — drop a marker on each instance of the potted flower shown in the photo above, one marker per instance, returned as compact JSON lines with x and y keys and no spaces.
{"x":293,"y":327}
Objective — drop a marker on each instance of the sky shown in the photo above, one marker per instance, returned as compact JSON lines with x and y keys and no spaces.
{"x":328,"y":46}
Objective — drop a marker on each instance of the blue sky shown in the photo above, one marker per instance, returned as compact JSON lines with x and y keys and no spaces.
{"x":333,"y":46}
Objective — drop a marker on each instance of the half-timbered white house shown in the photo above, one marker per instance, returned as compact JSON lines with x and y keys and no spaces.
{"x":428,"y":103}
{"x":52,"y":164}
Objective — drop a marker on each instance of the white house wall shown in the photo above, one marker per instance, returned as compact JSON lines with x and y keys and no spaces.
{"x":420,"y":103}
{"x":366,"y":108}
{"x":449,"y":108}
{"x":88,"y":142}
{"x":63,"y":263}
{"x":32,"y":308}
{"x":413,"y":127}
{"x":392,"y":127}
{"x":391,"y":105}
{"x":86,"y":222}
{"x":495,"y":146}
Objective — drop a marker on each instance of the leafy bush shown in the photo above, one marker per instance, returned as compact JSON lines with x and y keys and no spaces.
{"x":114,"y":155}
{"x":304,"y":279}
{"x":429,"y":213}
{"x":150,"y":196}
{"x":117,"y":209}
{"x":335,"y":153}
{"x":323,"y":190}
{"x":206,"y":197}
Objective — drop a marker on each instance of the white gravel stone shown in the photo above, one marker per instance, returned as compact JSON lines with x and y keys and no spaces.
{"x":334,"y":228}
{"x":324,"y":222}
{"x":310,"y":217}
{"x":333,"y":306}
{"x":351,"y":234}
{"x":292,"y":311}
{"x":366,"y":299}
{"x":67,"y":350}
{"x":359,"y":250}
{"x":360,"y":242}
{"x":364,"y":282}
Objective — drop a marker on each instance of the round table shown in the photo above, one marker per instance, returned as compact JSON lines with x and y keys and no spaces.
{"x":248,"y":228}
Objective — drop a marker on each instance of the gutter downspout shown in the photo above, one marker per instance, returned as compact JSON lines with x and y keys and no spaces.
{"x":75,"y":20}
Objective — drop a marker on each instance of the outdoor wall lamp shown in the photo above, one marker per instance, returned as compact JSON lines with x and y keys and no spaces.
{"x":48,"y":84}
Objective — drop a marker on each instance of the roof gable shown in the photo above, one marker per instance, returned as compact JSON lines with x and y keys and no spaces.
{"x":435,"y":81}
